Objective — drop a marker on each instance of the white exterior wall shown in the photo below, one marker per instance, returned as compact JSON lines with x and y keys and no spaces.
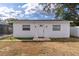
{"x":63,"y":33}
{"x":18,"y":32}
{"x":48,"y":32}
{"x":74,"y":31}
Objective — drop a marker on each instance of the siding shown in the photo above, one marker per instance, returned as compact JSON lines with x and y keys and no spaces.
{"x":64,"y":33}
{"x":74,"y":31}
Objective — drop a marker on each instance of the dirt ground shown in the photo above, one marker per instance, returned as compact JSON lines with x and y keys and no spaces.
{"x":48,"y":48}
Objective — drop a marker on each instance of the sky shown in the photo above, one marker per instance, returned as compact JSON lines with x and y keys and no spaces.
{"x":23,"y":11}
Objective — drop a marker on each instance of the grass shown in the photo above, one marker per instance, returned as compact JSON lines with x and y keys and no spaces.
{"x":55,"y":47}
{"x":24,"y":39}
{"x":72,"y":39}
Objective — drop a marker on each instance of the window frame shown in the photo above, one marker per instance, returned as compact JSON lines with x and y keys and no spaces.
{"x":26,"y":27}
{"x":56,"y":28}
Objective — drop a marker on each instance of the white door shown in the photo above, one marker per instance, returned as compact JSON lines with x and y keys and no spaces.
{"x":40,"y":30}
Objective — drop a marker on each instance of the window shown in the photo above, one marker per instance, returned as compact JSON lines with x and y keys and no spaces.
{"x":26,"y":27}
{"x":56,"y":27}
{"x":41,"y":25}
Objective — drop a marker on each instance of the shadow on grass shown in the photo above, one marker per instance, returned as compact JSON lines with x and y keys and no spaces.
{"x":65,"y":40}
{"x":30,"y":39}
{"x":71,"y":39}
{"x":25,"y":39}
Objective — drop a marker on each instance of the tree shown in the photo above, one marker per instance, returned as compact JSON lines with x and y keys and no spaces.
{"x":48,"y":8}
{"x":10,"y":21}
{"x":66,"y":11}
{"x":71,"y":13}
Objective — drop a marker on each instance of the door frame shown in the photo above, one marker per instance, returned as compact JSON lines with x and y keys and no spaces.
{"x":39,"y":33}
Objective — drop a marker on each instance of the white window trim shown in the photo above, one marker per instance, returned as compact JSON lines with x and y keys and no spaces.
{"x":26,"y":27}
{"x":56,"y":29}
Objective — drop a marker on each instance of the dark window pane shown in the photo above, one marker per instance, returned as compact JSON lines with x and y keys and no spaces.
{"x":56,"y":27}
{"x":41,"y":25}
{"x":26,"y":27}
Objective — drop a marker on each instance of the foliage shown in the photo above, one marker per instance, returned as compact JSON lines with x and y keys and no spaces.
{"x":10,"y":20}
{"x":66,"y":11}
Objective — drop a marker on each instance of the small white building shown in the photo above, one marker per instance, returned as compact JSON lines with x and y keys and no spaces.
{"x":41,"y":28}
{"x":74,"y":31}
